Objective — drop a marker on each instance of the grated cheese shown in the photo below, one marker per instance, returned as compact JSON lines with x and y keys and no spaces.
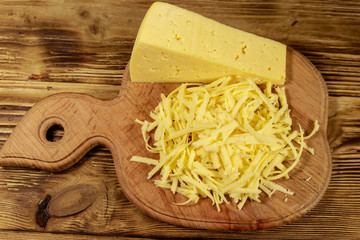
{"x":226,"y":139}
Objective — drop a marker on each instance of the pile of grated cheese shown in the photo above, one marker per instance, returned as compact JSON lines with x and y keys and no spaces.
{"x":225,"y":140}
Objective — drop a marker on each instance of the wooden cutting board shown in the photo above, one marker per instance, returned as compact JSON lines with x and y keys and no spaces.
{"x":88,"y":122}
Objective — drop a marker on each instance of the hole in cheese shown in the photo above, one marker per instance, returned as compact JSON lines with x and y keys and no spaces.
{"x":225,"y":140}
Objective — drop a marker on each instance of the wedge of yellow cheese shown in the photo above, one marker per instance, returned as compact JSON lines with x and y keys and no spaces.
{"x":177,"y":45}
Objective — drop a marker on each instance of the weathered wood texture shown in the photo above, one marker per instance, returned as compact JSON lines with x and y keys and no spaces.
{"x":21,"y":235}
{"x":89,"y":122}
{"x":83,"y":46}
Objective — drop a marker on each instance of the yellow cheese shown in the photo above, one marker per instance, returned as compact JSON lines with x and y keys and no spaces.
{"x":176,"y":45}
{"x":225,"y":139}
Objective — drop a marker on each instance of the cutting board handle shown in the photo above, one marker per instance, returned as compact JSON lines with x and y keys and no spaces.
{"x":85,"y":122}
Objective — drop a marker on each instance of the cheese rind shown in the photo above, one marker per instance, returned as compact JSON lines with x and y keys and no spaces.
{"x":177,"y":45}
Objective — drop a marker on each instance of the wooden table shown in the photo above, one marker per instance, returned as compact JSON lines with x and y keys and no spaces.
{"x":55,"y":46}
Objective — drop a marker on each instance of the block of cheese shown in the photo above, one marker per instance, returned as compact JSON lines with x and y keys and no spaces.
{"x":177,"y":45}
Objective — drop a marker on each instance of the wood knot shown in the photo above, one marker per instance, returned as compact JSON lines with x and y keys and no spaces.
{"x":41,"y":215}
{"x":43,"y":77}
{"x":94,"y":29}
{"x":84,"y":14}
{"x":70,"y":201}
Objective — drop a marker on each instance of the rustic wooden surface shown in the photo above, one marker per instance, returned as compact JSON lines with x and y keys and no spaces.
{"x":83,"y":46}
{"x":88,"y":122}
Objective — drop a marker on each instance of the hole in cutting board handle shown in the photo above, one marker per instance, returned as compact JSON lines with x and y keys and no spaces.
{"x":54,"y":133}
{"x":53,"y":130}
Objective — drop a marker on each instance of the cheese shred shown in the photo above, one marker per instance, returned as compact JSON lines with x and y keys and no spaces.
{"x":226,"y":139}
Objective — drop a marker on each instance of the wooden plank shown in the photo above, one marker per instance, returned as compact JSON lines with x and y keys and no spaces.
{"x":90,"y":42}
{"x":17,"y":235}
